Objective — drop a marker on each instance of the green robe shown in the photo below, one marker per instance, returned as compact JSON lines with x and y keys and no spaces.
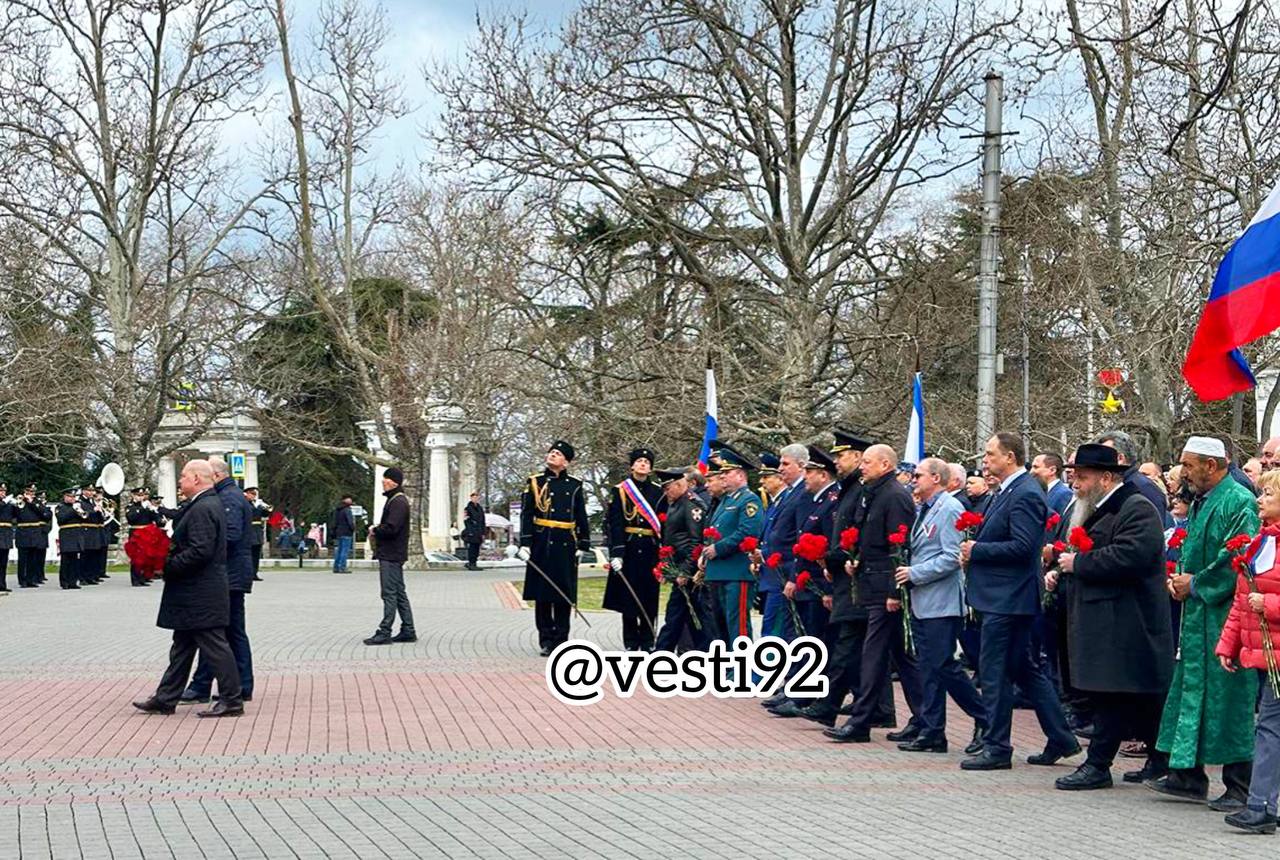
{"x":1208,"y":717}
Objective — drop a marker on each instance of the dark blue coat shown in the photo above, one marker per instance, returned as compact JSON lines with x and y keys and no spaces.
{"x":819,"y":519}
{"x":781,"y":528}
{"x":1060,"y":496}
{"x":239,"y":516}
{"x":1004,"y":567}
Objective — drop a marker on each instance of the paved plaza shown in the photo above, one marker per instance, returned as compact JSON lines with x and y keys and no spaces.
{"x":453,"y":747}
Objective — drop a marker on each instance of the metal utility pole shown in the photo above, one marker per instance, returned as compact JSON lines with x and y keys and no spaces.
{"x":1026,"y":359}
{"x":989,"y":259}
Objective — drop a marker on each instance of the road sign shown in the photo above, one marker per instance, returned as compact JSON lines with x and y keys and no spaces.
{"x":236,"y":461}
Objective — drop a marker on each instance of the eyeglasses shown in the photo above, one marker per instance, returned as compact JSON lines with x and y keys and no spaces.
{"x":917,"y":475}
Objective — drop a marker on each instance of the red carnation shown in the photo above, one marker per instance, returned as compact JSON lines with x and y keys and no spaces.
{"x":968,"y":520}
{"x":749,"y":544}
{"x":1170,"y":568}
{"x":1080,"y":539}
{"x":711,"y":533}
{"x":1238,"y":543}
{"x":1053,"y":521}
{"x":1240,"y":564}
{"x":666,"y":552}
{"x":903,"y":529}
{"x":849,"y":538}
{"x":657,"y":573}
{"x":898,"y":538}
{"x":1176,"y":539}
{"x":1059,"y":546}
{"x":774,"y":559}
{"x":802,"y":579}
{"x":697,"y":551}
{"x":810,"y":547}
{"x":662,"y":518}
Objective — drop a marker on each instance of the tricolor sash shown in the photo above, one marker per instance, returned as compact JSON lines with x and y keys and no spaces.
{"x":1263,"y":557}
{"x":642,"y":504}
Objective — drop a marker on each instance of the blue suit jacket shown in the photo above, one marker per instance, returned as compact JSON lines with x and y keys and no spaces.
{"x":1004,"y":566}
{"x":781,"y":528}
{"x":1059,"y":498}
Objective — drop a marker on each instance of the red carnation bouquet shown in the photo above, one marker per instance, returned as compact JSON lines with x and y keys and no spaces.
{"x":968,"y":522}
{"x":1052,"y":523}
{"x":1238,"y":546}
{"x":711,"y":533}
{"x":666,"y":570}
{"x":148,"y":547}
{"x":811,"y":547}
{"x":1080,"y":540}
{"x":749,"y":544}
{"x":900,"y":546}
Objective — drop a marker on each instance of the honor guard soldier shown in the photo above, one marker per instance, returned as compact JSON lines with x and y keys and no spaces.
{"x":738,"y":515}
{"x":684,"y":516}
{"x":261,"y":510}
{"x":634,"y":532}
{"x":73,"y":528}
{"x":139,"y":514}
{"x":553,"y":530}
{"x":93,"y":554}
{"x":8,"y":510}
{"x":31,"y":521}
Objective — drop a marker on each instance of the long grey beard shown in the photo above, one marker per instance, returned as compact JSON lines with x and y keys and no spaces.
{"x":1081,"y":511}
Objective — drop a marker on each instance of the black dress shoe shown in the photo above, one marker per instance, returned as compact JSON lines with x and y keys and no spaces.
{"x":244,"y":697}
{"x":1086,"y":778}
{"x":848,"y":734}
{"x":405,"y":637}
{"x":975,"y":743}
{"x":789,"y":709}
{"x":910,"y":733}
{"x":1253,"y":821}
{"x":154,"y":706}
{"x":774,"y":700}
{"x":224,"y":708}
{"x":884,"y":723}
{"x":1173,"y":787}
{"x":1149,"y":770}
{"x":921,"y":744}
{"x":819,"y":714}
{"x":985,"y":761}
{"x":1230,"y":801}
{"x":1052,"y":756}
{"x":190,"y":698}
{"x":257,"y":578}
{"x":379,"y":638}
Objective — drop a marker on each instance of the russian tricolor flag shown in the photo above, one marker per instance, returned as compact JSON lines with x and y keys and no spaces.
{"x":1244,"y":305}
{"x":712,"y":429}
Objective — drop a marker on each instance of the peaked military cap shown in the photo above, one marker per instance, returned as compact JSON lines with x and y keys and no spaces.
{"x":769,"y":464}
{"x":820,"y":459}
{"x":848,"y":440}
{"x":666,"y":476}
{"x":725,"y":458}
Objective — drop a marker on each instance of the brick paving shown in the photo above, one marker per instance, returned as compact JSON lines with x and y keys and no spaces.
{"x":452,"y":747}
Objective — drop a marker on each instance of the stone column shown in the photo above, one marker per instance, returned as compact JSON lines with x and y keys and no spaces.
{"x":379,"y":500}
{"x":167,"y":481}
{"x":466,"y":480}
{"x":438,"y":498}
{"x":251,"y":469}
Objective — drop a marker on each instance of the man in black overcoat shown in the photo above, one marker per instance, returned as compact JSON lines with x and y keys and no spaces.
{"x":195,"y":603}
{"x":1119,"y":635}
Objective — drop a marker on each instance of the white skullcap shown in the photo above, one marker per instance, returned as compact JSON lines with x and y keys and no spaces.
{"x":1206,"y":446}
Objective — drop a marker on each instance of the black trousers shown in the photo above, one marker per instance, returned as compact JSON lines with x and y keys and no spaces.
{"x":1117,"y":717}
{"x":4,"y":568}
{"x":69,"y":570}
{"x":637,"y":635}
{"x":93,"y":564}
{"x":30,"y":566}
{"x":942,"y":676}
{"x":552,"y":618}
{"x":1235,"y":776}
{"x":885,"y":640}
{"x":473,"y":553}
{"x":212,"y":646}
{"x":256,"y":552}
{"x":678,"y":619}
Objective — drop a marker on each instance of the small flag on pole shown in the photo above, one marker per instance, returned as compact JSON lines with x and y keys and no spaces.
{"x":712,"y":429}
{"x":914,"y":451}
{"x":1244,"y":305}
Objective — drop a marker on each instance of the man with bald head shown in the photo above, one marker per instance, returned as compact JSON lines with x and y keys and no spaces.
{"x":195,"y":605}
{"x":238,"y":512}
{"x":1270,"y":454}
{"x":885,"y":509}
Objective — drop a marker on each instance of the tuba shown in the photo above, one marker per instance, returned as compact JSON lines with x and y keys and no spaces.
{"x":112,"y":479}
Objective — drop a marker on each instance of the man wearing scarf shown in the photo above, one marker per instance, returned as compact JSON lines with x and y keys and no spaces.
{"x":634,"y":533}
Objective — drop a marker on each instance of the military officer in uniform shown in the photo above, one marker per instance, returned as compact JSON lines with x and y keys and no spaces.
{"x":93,"y":552}
{"x":634,"y":532}
{"x":8,"y":510}
{"x":553,"y":530}
{"x":261,"y":510}
{"x":141,"y":513}
{"x":31,"y":521}
{"x":73,"y":528}
{"x":727,"y":569}
{"x":682,"y":531}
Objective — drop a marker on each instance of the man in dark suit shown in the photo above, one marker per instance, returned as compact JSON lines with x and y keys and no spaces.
{"x":1120,"y":639}
{"x":886,"y":509}
{"x":1047,"y":468}
{"x":238,"y":514}
{"x":781,"y":529}
{"x":195,"y":603}
{"x":1004,"y":585}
